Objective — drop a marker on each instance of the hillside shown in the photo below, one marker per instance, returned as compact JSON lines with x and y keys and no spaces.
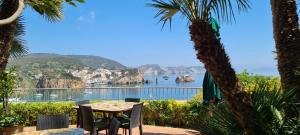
{"x":47,"y":60}
{"x":54,"y":70}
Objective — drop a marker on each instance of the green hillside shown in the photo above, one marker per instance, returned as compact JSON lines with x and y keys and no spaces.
{"x":45,"y":60}
{"x":33,"y":66}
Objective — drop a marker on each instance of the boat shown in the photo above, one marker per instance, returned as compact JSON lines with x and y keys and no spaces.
{"x":38,"y":95}
{"x":166,"y":77}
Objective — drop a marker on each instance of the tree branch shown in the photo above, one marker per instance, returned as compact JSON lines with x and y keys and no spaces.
{"x":15,"y":15}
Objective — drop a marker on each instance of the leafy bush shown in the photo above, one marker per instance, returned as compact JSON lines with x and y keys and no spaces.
{"x":249,"y":81}
{"x":268,"y":117}
{"x":174,"y":113}
{"x":10,"y":120}
{"x":30,"y":111}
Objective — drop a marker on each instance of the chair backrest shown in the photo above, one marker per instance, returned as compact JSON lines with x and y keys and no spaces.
{"x":136,"y":114}
{"x":114,"y":127}
{"x":82,"y":102}
{"x":52,"y":122}
{"x":132,"y":99}
{"x":78,"y":103}
{"x":87,"y":118}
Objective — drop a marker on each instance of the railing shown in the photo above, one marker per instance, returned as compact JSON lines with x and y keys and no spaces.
{"x":104,"y":93}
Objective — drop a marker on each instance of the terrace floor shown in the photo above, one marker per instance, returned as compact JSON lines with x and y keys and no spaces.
{"x":148,"y":130}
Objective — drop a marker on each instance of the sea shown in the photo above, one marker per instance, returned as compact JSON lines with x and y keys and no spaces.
{"x":161,"y":87}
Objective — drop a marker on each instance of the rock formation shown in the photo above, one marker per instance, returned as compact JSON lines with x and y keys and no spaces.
{"x":55,"y":82}
{"x":184,"y":79}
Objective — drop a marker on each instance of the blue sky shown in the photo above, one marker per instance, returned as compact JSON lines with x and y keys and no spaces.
{"x":125,"y":31}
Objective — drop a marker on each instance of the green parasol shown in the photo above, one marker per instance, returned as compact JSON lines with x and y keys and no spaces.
{"x":210,"y":89}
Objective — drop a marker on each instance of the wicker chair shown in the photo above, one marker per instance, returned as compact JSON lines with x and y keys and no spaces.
{"x":127,"y":114}
{"x":79,"y":120}
{"x":132,"y":99}
{"x":114,"y":127}
{"x":82,"y":102}
{"x":88,"y":122}
{"x":52,"y":122}
{"x":135,"y":119}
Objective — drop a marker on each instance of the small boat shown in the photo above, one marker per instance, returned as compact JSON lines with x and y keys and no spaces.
{"x":166,"y":77}
{"x":53,"y":96}
{"x":88,"y":92}
{"x":39,"y":95}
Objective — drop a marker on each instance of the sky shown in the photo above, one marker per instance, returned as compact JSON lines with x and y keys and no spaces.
{"x":126,"y":31}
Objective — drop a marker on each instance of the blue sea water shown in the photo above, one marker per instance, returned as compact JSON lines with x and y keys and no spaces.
{"x":163,"y":89}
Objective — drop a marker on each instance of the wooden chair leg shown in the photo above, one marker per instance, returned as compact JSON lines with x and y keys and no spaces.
{"x":141,"y":130}
{"x":130,"y":131}
{"x":77,"y":118}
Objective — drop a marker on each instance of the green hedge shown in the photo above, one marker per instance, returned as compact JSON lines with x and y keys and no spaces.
{"x":174,"y":113}
{"x":161,"y":112}
{"x":30,"y":111}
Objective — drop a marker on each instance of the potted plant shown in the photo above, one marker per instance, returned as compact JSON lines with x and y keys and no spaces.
{"x":9,"y":122}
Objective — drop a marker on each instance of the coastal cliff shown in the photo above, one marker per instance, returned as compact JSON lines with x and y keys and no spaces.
{"x":54,"y":82}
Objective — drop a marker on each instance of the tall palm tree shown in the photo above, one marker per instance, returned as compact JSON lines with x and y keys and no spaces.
{"x":9,"y":41}
{"x":287,"y":41}
{"x":210,"y":50}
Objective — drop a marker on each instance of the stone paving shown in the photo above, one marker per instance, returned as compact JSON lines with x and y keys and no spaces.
{"x":148,"y":130}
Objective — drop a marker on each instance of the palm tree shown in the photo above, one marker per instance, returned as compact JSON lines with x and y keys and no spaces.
{"x":9,"y":33}
{"x":210,"y":50}
{"x":287,"y":41}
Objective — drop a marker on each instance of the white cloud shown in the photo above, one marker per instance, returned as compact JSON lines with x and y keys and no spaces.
{"x":90,"y":18}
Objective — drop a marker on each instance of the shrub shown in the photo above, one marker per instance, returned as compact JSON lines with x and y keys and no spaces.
{"x":268,"y":117}
{"x":249,"y":81}
{"x":10,"y":120}
{"x":174,"y":113}
{"x":30,"y":111}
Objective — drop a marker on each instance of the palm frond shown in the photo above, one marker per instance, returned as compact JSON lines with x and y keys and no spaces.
{"x":18,"y":49}
{"x":49,"y":9}
{"x":198,"y":9}
{"x":166,"y":11}
{"x":18,"y":45}
{"x":52,"y":10}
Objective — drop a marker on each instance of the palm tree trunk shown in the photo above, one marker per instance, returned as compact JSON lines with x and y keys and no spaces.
{"x":7,"y":32}
{"x":211,"y":52}
{"x":287,"y":41}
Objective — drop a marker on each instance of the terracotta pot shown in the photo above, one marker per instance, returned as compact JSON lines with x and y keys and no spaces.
{"x":11,"y":130}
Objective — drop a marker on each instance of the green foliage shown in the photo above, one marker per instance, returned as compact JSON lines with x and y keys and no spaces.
{"x":30,"y":111}
{"x":10,"y":120}
{"x":194,"y":10}
{"x":268,"y":117}
{"x":7,"y":83}
{"x":249,"y":81}
{"x":18,"y":48}
{"x":52,"y":10}
{"x":173,"y":113}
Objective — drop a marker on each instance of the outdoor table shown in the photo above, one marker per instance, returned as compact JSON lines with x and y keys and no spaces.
{"x":111,"y":107}
{"x":62,"y":131}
